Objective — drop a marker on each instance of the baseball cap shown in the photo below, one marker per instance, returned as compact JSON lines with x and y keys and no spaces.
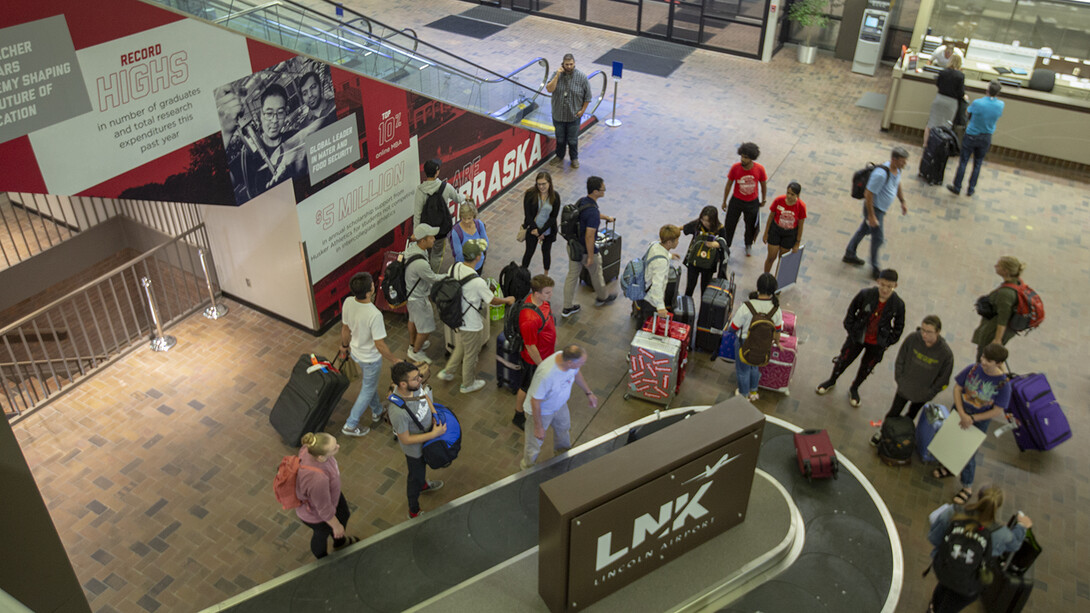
{"x":472,"y":249}
{"x":422,"y":231}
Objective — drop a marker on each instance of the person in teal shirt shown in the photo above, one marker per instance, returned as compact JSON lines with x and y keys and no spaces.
{"x":983,"y":113}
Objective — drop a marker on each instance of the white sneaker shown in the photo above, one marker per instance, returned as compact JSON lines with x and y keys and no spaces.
{"x":444,"y":375}
{"x":418,"y":357}
{"x":426,"y":345}
{"x":356,"y":432}
{"x":476,"y":385}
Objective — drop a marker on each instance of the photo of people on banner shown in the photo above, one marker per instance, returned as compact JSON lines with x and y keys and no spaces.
{"x":265,"y":119}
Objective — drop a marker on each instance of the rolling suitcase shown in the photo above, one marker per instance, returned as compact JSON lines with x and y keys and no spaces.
{"x":941,"y":144}
{"x":716,"y":305}
{"x":1041,"y":423}
{"x":508,"y":365}
{"x":673,"y":276}
{"x":776,"y":375}
{"x":930,"y":420}
{"x":1008,"y":592}
{"x":815,"y":454}
{"x":788,"y":322}
{"x":653,"y":367}
{"x":666,"y":326}
{"x":685,"y":313}
{"x":609,"y":249}
{"x":307,"y":401}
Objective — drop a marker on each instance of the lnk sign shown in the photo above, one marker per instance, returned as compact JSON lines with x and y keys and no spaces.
{"x":618,"y":518}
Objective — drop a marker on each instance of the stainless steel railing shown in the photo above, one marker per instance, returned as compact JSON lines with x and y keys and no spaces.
{"x":57,"y":346}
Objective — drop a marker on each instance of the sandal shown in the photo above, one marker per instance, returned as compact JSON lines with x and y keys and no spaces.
{"x":963,"y":497}
{"x":941,"y":473}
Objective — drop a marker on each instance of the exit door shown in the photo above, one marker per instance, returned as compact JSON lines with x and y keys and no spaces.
{"x":673,"y":20}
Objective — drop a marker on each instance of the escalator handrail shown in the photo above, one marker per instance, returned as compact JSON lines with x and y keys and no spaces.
{"x":246,"y":11}
{"x":602,"y":93}
{"x":511,"y":75}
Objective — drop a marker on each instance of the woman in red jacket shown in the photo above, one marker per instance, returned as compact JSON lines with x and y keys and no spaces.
{"x":318,"y":487}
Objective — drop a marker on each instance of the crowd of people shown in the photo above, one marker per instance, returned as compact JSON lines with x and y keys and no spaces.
{"x":874,"y":322}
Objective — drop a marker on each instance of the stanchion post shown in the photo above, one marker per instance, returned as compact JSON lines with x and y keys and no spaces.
{"x":160,"y":342}
{"x":214,"y":311}
{"x":618,"y":68}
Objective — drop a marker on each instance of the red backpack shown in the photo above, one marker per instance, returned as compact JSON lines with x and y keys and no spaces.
{"x":284,"y":483}
{"x":1030,"y":310}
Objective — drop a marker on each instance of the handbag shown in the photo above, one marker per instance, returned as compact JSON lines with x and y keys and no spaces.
{"x":521,"y":236}
{"x":350,"y":369}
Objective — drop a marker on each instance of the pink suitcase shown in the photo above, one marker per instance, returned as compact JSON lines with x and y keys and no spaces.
{"x":788,"y":323}
{"x":776,"y":375}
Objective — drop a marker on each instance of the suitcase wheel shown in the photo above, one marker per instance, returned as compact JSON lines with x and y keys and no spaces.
{"x":626,"y":396}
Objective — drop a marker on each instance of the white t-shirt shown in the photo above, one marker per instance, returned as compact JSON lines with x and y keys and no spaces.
{"x":476,"y":297}
{"x":365,"y":322}
{"x":551,"y":386}
{"x":939,"y":58}
{"x":742,"y":317}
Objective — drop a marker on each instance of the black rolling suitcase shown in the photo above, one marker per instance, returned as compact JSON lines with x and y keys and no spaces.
{"x":685,"y":313}
{"x":609,"y":249}
{"x":508,"y":365}
{"x":307,"y":401}
{"x":716,"y":304}
{"x":941,"y":144}
{"x":1008,"y":592}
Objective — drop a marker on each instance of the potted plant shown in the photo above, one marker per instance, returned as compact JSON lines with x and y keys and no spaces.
{"x":810,"y":15}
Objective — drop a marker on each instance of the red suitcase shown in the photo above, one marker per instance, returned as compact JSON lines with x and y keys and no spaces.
{"x":683,"y":332}
{"x":816,"y":456}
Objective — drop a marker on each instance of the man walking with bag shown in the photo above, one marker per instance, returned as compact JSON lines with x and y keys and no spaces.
{"x":363,"y":338}
{"x":883,"y":186}
{"x":408,"y":398}
{"x":582,"y":252}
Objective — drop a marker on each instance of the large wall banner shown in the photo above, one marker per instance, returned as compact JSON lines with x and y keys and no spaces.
{"x":127,"y":100}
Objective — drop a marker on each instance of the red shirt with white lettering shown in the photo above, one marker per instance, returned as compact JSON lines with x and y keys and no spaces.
{"x":787,"y":217}
{"x":747,"y":182}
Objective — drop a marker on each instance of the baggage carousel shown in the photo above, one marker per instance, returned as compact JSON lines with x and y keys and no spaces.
{"x":821,"y":546}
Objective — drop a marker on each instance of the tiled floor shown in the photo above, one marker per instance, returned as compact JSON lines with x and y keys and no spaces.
{"x":158,"y":471}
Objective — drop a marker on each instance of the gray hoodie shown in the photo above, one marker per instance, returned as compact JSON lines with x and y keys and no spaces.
{"x":922,"y":372}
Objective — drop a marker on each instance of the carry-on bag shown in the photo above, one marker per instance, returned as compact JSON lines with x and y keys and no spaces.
{"x":508,"y":365}
{"x":716,"y":305}
{"x":815,"y":454}
{"x":776,"y":375}
{"x":788,"y":322}
{"x":653,"y":363}
{"x":307,"y":401}
{"x":1008,"y":592}
{"x":608,"y":243}
{"x":897,"y":442}
{"x":931,"y":418}
{"x":941,"y":144}
{"x":667,"y":326}
{"x":1039,"y":420}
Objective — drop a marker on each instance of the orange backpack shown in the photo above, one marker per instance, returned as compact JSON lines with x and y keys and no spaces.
{"x":284,"y":483}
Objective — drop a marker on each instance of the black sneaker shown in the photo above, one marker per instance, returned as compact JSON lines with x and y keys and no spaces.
{"x":519,"y":420}
{"x":608,"y":300}
{"x":568,"y":312}
{"x":852,"y":259}
{"x":953,"y":190}
{"x":824,"y":387}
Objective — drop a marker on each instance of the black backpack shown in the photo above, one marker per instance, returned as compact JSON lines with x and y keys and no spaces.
{"x":515,"y":281}
{"x":962,"y":560}
{"x":757,"y":348}
{"x":436,"y":212}
{"x":569,"y":220}
{"x":898,"y":441}
{"x":393,"y":281}
{"x":447,"y":296}
{"x":511,"y":330}
{"x":862,"y":176}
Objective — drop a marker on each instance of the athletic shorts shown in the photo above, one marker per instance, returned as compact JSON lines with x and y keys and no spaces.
{"x":779,"y":237}
{"x":422,"y":316}
{"x":528,"y":371}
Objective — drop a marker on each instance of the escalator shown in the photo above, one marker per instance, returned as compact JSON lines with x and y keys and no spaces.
{"x":358,"y":43}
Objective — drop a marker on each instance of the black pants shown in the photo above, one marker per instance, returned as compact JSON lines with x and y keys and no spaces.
{"x":705,"y":275}
{"x":415,"y":482}
{"x":319,"y":541}
{"x":872,"y":355}
{"x":898,"y":405}
{"x":546,"y":250}
{"x":737,"y":208}
{"x":945,"y":600}
{"x":644,"y":311}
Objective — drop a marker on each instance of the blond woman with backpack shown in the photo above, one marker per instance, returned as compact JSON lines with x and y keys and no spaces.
{"x":318,"y":487}
{"x":757,"y":323}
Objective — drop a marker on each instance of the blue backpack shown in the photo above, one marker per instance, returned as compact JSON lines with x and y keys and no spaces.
{"x":439,"y":452}
{"x":633,"y":279}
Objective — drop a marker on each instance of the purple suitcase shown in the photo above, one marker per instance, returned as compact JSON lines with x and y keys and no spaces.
{"x":1040,"y":421}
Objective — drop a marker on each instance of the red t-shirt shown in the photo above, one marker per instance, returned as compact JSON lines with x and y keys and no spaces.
{"x":747,"y":182}
{"x":530,"y":323}
{"x":871,"y":337}
{"x":787,"y":217}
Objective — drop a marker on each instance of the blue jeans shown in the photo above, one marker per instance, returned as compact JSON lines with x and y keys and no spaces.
{"x":368,"y":393}
{"x":969,"y":472}
{"x":748,"y":376}
{"x":877,"y":237}
{"x":567,"y":135}
{"x":975,"y":145}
